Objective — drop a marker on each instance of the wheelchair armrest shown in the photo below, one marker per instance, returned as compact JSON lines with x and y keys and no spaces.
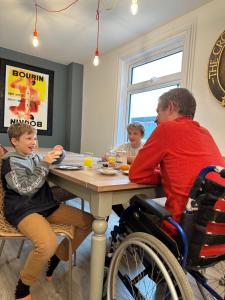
{"x":158,"y":210}
{"x":152,"y":207}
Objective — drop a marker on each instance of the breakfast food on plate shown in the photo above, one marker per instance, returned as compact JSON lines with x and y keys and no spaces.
{"x":56,"y":152}
{"x":112,"y":163}
{"x":124,"y":167}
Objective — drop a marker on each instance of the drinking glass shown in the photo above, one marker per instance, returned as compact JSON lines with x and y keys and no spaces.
{"x":111,"y":157}
{"x":88,"y":159}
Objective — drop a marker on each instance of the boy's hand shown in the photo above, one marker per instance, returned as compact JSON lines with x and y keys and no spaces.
{"x":51,"y":156}
{"x":58,"y":149}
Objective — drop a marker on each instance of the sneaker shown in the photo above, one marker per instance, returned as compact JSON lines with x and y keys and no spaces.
{"x":28,"y":297}
{"x":49,"y":278}
{"x":22,"y":291}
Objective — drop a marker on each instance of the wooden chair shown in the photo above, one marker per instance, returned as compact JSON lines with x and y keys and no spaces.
{"x":60,"y":195}
{"x":7,"y":231}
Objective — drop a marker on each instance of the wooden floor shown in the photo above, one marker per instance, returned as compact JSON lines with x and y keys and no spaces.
{"x":56,"y":290}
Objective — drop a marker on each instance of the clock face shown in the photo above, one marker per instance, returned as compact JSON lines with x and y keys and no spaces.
{"x":216,"y":70}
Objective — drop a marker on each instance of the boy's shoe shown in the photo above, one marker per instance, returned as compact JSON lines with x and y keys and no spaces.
{"x":22,"y":291}
{"x":28,"y":297}
{"x":49,"y":278}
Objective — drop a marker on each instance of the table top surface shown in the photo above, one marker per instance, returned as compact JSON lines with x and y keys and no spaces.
{"x":91,"y":177}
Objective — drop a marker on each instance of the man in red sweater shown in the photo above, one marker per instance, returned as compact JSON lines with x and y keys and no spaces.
{"x":180,"y":146}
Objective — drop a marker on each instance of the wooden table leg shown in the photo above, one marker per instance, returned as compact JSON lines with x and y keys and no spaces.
{"x":98,"y":248}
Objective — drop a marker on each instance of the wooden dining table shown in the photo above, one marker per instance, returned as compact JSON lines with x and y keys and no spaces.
{"x":102,"y":192}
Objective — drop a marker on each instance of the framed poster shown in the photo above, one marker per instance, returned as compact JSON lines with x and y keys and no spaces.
{"x":26,"y":96}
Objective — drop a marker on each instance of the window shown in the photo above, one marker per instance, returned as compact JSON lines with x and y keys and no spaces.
{"x":148,"y":68}
{"x":148,"y":80}
{"x":144,"y":112}
{"x":163,"y":66}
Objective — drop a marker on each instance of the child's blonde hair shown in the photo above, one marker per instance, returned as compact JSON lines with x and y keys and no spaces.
{"x":18,"y":129}
{"x":137,"y":126}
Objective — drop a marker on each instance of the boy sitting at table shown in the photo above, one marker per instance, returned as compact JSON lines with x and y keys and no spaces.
{"x":135,"y":132}
{"x":30,"y":207}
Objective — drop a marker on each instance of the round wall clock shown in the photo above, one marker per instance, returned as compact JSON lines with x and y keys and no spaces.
{"x":216,"y":70}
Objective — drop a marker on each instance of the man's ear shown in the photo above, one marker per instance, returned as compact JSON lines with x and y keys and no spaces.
{"x":172,"y":107}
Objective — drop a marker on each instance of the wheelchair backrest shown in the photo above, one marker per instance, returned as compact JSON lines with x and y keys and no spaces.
{"x":205,"y":224}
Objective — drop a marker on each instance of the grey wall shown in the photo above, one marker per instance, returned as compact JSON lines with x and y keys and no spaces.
{"x":65,"y":100}
{"x":74,"y":108}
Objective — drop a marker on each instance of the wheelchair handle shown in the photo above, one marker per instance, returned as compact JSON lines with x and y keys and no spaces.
{"x":201,"y":177}
{"x":217,"y":169}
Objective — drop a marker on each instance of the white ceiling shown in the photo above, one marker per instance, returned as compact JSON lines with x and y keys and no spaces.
{"x":70,"y":36}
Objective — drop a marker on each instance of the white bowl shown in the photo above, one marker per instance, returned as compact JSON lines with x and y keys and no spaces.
{"x":108,"y":171}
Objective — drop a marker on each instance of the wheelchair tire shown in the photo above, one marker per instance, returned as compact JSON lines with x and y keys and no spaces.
{"x":156,"y":262}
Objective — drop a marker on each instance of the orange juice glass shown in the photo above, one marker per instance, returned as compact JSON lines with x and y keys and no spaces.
{"x":88,"y":159}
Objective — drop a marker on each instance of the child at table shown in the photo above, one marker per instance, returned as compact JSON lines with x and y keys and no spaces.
{"x":29,"y":205}
{"x":135,"y":132}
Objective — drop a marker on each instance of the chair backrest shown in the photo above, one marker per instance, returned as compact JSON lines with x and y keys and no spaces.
{"x":2,"y":152}
{"x":205,"y":227}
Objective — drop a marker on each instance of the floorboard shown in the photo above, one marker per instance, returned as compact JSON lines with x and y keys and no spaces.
{"x":10,"y":267}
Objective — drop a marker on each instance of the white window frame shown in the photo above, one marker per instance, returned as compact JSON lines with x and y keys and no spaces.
{"x":183,"y":40}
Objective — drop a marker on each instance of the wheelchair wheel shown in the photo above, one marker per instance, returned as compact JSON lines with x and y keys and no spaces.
{"x":215,"y":276}
{"x":143,"y":268}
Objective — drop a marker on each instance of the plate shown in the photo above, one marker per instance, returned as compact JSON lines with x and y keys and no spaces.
{"x":69,"y":167}
{"x":107,"y":171}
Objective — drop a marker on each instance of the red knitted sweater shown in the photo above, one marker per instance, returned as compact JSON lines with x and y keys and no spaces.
{"x":181,"y":148}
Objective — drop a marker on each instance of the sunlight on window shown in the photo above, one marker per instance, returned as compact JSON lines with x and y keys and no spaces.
{"x":161,"y":67}
{"x":143,"y":108}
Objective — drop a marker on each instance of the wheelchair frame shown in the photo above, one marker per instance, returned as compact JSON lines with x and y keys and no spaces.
{"x":163,"y":214}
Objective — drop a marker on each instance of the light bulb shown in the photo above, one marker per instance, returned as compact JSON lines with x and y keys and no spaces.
{"x":96,"y":58}
{"x":35,"y":40}
{"x":134,"y":7}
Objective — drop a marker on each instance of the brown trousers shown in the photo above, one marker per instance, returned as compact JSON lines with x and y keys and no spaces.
{"x":37,"y":228}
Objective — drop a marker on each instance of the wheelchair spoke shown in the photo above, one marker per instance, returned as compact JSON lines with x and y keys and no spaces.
{"x":135,"y":273}
{"x":215,"y":278}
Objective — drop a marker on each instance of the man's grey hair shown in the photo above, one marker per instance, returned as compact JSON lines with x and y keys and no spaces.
{"x":183,"y":100}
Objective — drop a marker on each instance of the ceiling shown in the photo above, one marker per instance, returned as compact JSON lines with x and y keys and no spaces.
{"x":70,"y":36}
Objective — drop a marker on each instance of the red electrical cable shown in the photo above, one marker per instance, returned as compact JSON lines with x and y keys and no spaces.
{"x":48,"y":10}
{"x":59,"y":10}
{"x":35,"y":25}
{"x":98,"y":19}
{"x":63,"y":9}
{"x":35,"y":18}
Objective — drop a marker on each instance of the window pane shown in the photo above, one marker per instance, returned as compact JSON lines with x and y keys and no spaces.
{"x":161,"y":67}
{"x":143,"y":108}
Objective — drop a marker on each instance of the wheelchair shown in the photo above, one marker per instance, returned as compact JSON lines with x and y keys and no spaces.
{"x":147,"y":263}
